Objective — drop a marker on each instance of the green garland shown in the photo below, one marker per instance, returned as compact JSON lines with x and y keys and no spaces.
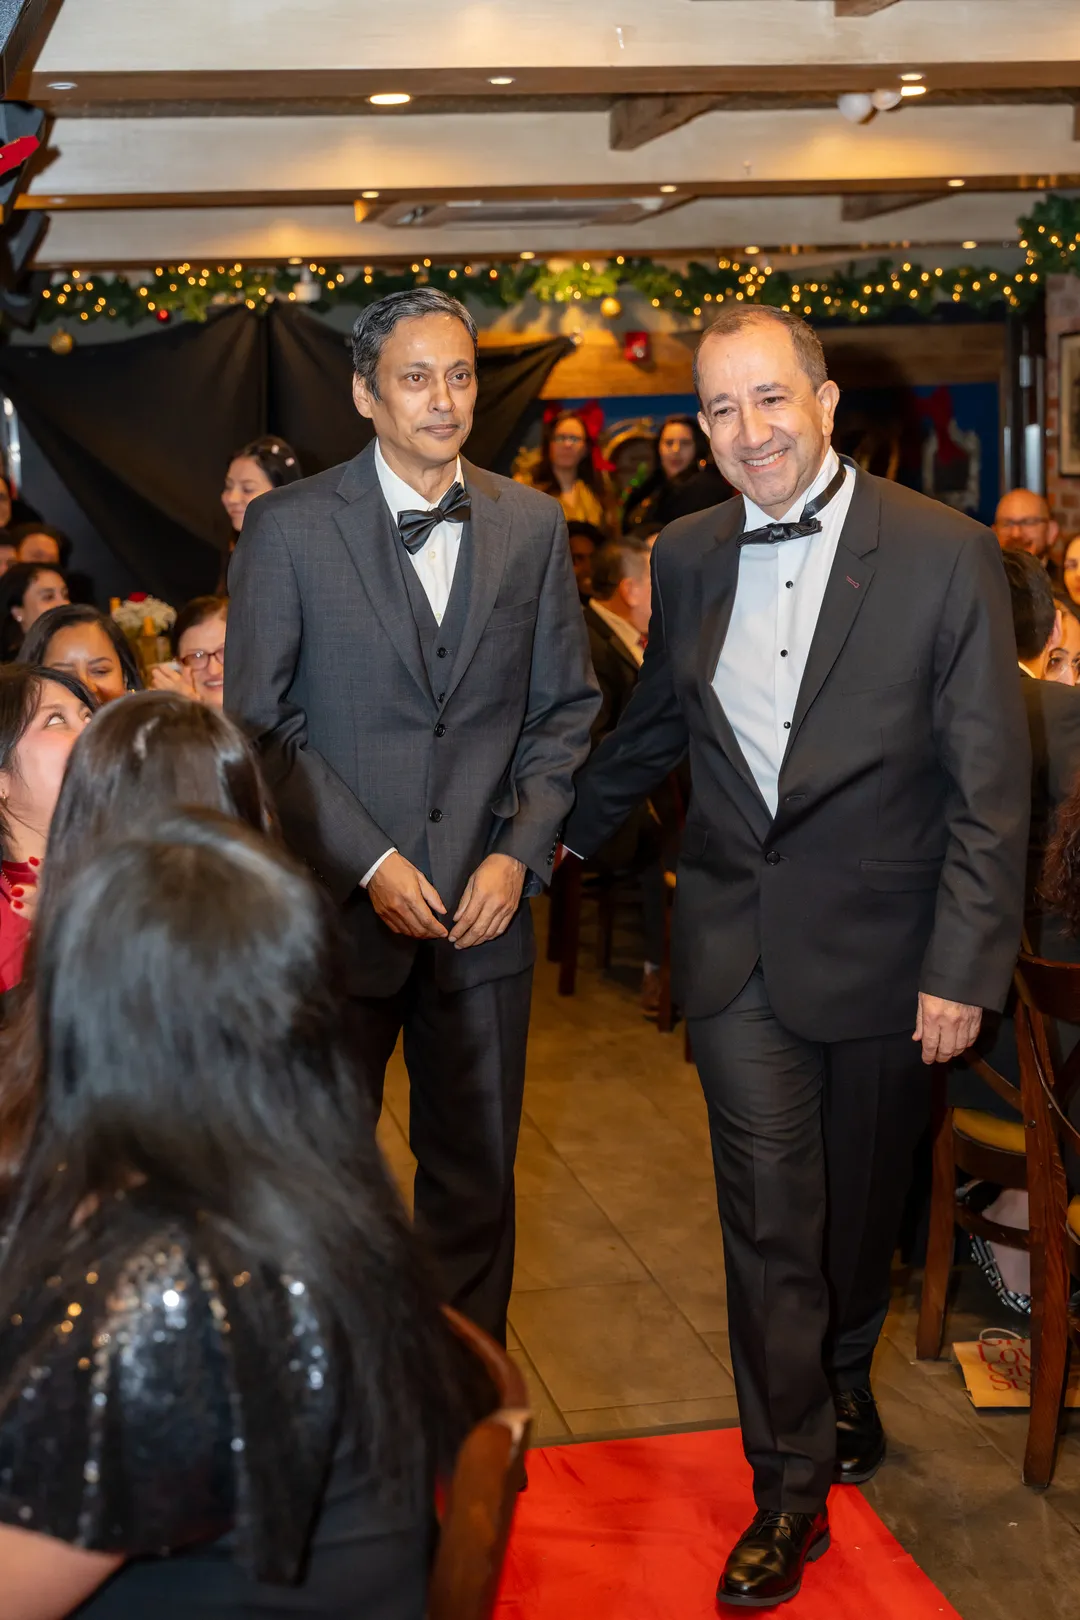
{"x":1051,"y":237}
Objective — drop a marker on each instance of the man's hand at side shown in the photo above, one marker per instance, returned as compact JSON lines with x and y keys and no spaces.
{"x":405,"y":900}
{"x":945,"y":1028}
{"x":491,"y":898}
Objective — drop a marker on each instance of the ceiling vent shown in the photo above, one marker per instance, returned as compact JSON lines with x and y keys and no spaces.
{"x":490,"y":213}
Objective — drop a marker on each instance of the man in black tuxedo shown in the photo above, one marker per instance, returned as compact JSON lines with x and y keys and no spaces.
{"x":837,"y":652}
{"x":406,"y":644}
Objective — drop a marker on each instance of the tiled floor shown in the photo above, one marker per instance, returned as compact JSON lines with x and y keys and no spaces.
{"x":619,"y":1323}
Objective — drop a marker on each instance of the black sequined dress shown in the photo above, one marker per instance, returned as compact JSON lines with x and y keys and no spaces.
{"x":142,"y":1394}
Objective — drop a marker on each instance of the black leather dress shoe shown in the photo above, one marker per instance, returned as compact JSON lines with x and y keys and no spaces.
{"x":860,"y":1439}
{"x":766,"y":1564}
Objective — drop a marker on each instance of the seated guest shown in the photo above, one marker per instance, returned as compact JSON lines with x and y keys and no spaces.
{"x":89,"y":645}
{"x":38,"y":542}
{"x":14,"y":511}
{"x":1063,"y":663}
{"x":7,"y":553}
{"x":41,"y":715}
{"x":1070,"y":568}
{"x":261,"y":466}
{"x":1022,"y":522}
{"x":27,"y":590}
{"x":617,"y":619}
{"x":585,"y":541}
{"x":198,"y":643}
{"x":243,"y":1385}
{"x":568,"y":468}
{"x":687,"y":479}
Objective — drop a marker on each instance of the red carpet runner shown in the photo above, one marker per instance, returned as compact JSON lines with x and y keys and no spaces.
{"x":639,"y":1530}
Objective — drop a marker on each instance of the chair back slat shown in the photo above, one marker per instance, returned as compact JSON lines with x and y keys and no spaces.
{"x":997,"y":1082}
{"x":1052,"y":987}
{"x":1046,"y":991}
{"x":482,"y":1495}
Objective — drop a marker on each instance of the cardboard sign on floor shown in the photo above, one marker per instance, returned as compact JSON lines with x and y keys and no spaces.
{"x":997,"y":1371}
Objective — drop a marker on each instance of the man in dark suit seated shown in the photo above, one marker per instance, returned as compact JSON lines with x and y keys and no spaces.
{"x":617,"y":619}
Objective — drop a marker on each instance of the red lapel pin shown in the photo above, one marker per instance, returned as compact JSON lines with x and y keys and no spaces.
{"x":852,"y":581}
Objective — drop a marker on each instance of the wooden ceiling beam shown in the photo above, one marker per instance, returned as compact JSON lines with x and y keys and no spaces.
{"x":636,"y":120}
{"x":24,"y":28}
{"x":861,"y":8}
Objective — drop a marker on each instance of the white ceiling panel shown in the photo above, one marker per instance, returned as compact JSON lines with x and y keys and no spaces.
{"x":154,"y":35}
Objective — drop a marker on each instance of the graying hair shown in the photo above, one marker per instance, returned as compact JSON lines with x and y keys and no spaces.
{"x":374,"y":325}
{"x":804,"y":340}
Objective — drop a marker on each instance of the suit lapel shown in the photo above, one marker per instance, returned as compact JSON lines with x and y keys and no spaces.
{"x":368,"y":532}
{"x":613,"y":640}
{"x":719,"y":579}
{"x":845,"y":594}
{"x":489,"y":537}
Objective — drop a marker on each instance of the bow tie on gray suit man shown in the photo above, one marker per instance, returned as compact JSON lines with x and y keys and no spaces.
{"x":852,"y":871}
{"x":407,"y":646}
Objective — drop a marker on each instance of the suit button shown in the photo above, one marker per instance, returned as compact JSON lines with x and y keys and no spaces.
{"x":440,"y":730}
{"x":440,"y":652}
{"x":773,"y":858}
{"x":436,"y":815}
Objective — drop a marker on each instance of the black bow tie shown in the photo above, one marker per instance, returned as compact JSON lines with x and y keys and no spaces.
{"x":773,"y":533}
{"x":414,"y":527}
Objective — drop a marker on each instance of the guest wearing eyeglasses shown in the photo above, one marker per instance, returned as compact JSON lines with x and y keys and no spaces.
{"x":1023,"y":522}
{"x":198,"y":639}
{"x":567,"y":469}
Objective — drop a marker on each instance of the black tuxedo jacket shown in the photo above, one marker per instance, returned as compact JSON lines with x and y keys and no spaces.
{"x":1053,"y":713}
{"x":895,"y":862}
{"x":616,"y":671}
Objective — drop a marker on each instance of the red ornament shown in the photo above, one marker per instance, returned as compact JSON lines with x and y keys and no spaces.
{"x":162,"y":314}
{"x":137,"y":596}
{"x":637,"y":347}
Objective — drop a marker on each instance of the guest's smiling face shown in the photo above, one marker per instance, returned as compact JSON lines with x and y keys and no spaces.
{"x":85,"y":651}
{"x":768,"y":426}
{"x":423,"y":407}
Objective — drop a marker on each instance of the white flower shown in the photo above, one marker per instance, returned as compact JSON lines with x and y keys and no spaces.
{"x":130,"y":615}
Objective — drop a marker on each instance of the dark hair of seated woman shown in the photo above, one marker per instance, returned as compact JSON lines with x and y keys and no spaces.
{"x":89,"y":645}
{"x":234,"y":1345}
{"x":27,"y":590}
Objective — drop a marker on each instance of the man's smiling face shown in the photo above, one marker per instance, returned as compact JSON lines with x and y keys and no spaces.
{"x":768,"y":426}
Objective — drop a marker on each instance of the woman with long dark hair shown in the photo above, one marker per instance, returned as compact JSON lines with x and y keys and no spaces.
{"x":569,"y":468}
{"x":686,"y":479}
{"x":240,"y":1383}
{"x":263,"y":465}
{"x":88,"y":645}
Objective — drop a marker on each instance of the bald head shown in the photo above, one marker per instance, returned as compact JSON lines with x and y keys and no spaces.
{"x":1022,"y":522}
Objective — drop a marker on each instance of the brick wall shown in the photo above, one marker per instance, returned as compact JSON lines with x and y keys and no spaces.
{"x":1062,"y":315}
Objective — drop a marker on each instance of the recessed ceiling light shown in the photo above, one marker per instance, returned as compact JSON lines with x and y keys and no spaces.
{"x":911,"y":78}
{"x":527,"y":255}
{"x":62,"y":84}
{"x":501,"y":78}
{"x":296,"y":261}
{"x":751,"y":250}
{"x":390,"y":98}
{"x":913,"y":90}
{"x":956,"y":184}
{"x":967,"y":246}
{"x":369,"y":194}
{"x":668,"y":189}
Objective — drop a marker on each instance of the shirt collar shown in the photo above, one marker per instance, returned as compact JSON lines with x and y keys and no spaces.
{"x":622,"y":627}
{"x":757,"y":519}
{"x":400,"y":496}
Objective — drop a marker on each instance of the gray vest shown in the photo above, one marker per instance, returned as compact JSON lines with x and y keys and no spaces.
{"x":440,"y":642}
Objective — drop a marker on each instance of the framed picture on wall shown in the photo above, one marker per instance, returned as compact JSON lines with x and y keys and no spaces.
{"x":1069,"y":410}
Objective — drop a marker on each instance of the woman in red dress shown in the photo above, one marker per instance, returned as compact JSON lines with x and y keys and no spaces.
{"x":42,"y":712}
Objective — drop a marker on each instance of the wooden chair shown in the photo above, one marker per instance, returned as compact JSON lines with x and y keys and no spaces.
{"x":570,"y":887}
{"x":483,"y":1492}
{"x":1049,"y":991}
{"x":983,"y":1146}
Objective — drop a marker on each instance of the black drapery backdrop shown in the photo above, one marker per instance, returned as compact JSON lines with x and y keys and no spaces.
{"x":141,"y":431}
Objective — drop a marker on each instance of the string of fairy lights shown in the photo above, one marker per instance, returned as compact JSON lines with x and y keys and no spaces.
{"x":1050,"y":239}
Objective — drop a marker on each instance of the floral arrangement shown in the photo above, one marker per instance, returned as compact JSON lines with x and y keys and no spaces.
{"x":132,"y":614}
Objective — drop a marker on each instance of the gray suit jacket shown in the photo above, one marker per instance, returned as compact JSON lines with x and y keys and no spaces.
{"x":326,"y":671}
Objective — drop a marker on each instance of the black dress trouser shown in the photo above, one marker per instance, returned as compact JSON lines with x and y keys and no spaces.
{"x":812,"y":1147}
{"x":465,"y":1053}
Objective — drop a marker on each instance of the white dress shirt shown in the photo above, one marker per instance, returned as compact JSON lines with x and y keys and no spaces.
{"x":625,"y":631}
{"x":436,"y":560}
{"x":777,"y":601}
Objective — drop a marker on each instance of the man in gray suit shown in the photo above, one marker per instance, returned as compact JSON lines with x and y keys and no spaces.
{"x":407,"y":647}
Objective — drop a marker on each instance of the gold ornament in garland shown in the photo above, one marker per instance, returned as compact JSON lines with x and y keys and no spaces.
{"x":61,"y":342}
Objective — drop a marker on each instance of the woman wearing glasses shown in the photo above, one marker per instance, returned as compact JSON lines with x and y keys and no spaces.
{"x":198,"y":638}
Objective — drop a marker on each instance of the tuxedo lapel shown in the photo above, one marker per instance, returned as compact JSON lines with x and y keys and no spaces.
{"x":489,"y":537}
{"x":845,"y":593}
{"x":368,"y":532}
{"x":719,"y":580}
